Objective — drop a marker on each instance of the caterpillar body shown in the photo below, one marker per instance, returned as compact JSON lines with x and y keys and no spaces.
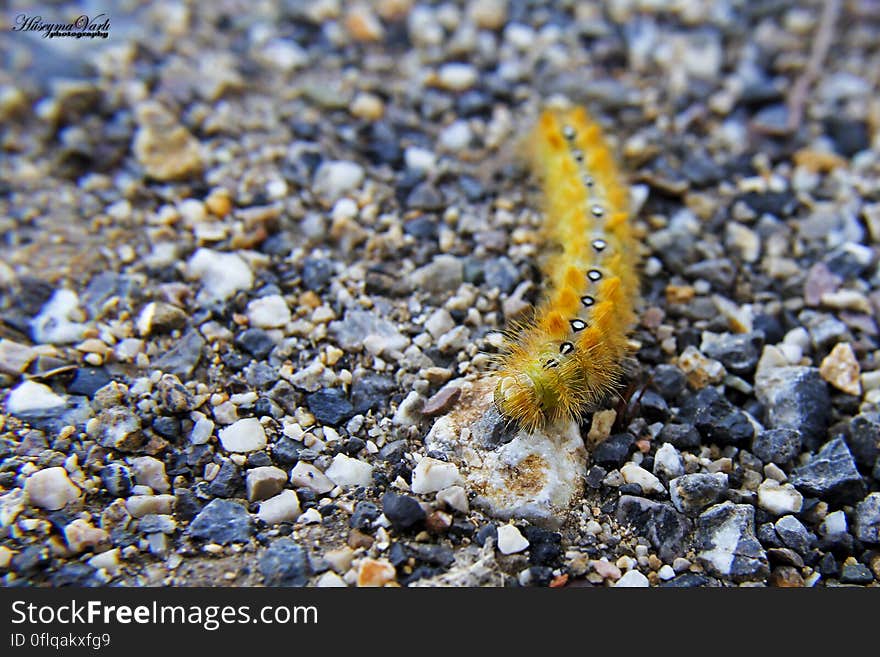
{"x":568,"y":357}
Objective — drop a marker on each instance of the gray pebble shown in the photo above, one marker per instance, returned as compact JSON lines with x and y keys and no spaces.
{"x":222,"y":521}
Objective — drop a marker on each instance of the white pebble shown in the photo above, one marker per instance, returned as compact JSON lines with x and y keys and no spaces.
{"x":419,"y":159}
{"x":221,"y":274}
{"x":141,"y":505}
{"x":510,"y":540}
{"x":284,"y":507}
{"x":50,"y":489}
{"x":432,"y":475}
{"x":80,"y":535}
{"x":346,"y":471}
{"x":458,"y":77}
{"x":667,"y":462}
{"x":108,"y":561}
{"x":202,"y":431}
{"x":454,"y":497}
{"x":456,"y":136}
{"x":336,"y":178}
{"x":32,"y":396}
{"x":634,"y":474}
{"x":330,"y":580}
{"x":344,"y":208}
{"x":834,"y":523}
{"x":439,"y":322}
{"x":666,"y":572}
{"x":310,"y":517}
{"x":306,"y":475}
{"x":779,"y":499}
{"x":268,"y":312}
{"x":149,"y":471}
{"x":632,"y":579}
{"x":53,"y":324}
{"x":245,"y":435}
{"x":284,"y":54}
{"x":192,"y":211}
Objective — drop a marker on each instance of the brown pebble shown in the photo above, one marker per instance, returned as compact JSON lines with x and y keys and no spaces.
{"x":438,"y":522}
{"x":164,"y":147}
{"x":375,"y":572}
{"x":309,"y":300}
{"x":818,"y":161}
{"x":841,"y":369}
{"x":785,"y":556}
{"x":679,"y":293}
{"x":218,"y":203}
{"x":358,"y":539}
{"x":363,"y":24}
{"x":442,"y":401}
{"x":559,"y":581}
{"x":786,"y":577}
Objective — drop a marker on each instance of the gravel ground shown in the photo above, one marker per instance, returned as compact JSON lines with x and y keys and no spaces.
{"x":255,"y":257}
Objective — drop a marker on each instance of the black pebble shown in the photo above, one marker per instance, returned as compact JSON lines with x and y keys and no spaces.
{"x":87,"y":381}
{"x":485,"y":532}
{"x":613,"y":451}
{"x":317,"y":273}
{"x":669,"y":381}
{"x":403,"y":511}
{"x":653,"y":407}
{"x":717,"y":420}
{"x":849,"y":136}
{"x":256,"y":342}
{"x":286,"y":450}
{"x":285,"y":563}
{"x":330,"y":406}
{"x":364,"y":515}
{"x":227,"y":482}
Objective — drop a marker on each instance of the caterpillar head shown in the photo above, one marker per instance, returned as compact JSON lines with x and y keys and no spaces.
{"x":535,"y":394}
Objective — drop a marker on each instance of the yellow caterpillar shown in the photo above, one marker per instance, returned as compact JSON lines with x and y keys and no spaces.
{"x":567,"y":359}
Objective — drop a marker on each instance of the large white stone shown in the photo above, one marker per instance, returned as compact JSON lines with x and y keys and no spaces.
{"x":284,"y":507}
{"x":511,"y":540}
{"x":432,"y":475}
{"x":346,"y":471}
{"x":32,"y":396}
{"x":221,"y":274}
{"x":513,"y":474}
{"x":50,"y":489}
{"x":268,"y":312}
{"x":245,"y":435}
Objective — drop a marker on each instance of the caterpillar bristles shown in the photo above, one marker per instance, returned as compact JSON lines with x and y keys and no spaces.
{"x":566,"y":359}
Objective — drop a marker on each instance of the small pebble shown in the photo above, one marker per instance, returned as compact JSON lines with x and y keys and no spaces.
{"x":510,"y":540}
